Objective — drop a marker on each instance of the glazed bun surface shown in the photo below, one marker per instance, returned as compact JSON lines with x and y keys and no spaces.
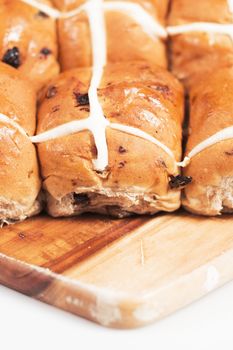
{"x":137,"y":177}
{"x":196,"y":53}
{"x":28,"y":41}
{"x":211,"y":191}
{"x":19,"y":173}
{"x":127,"y":40}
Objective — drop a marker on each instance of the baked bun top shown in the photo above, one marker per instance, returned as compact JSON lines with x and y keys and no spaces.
{"x":158,"y":6}
{"x":201,"y":38}
{"x":182,"y":11}
{"x":211,"y":105}
{"x":134,"y":32}
{"x":212,"y":168}
{"x":17,"y":98}
{"x":19,"y":174}
{"x":133,"y":94}
{"x":28,"y":41}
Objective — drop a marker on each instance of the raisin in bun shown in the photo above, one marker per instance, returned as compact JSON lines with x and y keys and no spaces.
{"x":196,"y":52}
{"x":127,"y":40}
{"x":28,"y":41}
{"x":140,"y":175}
{"x":211,"y":191}
{"x":19,"y":177}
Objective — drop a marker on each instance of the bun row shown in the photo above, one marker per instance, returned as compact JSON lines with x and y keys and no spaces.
{"x":202,"y":58}
{"x":109,"y":127}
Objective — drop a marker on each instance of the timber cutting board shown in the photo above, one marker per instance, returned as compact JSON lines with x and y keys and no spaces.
{"x":119,"y":273}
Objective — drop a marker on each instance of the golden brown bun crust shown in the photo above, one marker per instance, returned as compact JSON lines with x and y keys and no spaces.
{"x":160,"y":5}
{"x":67,"y":5}
{"x":138,"y":95}
{"x":182,"y":11}
{"x":19,"y":176}
{"x":126,"y":41}
{"x":17,"y":98}
{"x":211,"y":111}
{"x":198,"y":53}
{"x":34,"y":35}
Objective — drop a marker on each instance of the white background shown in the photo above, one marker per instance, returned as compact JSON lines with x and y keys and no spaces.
{"x":30,"y":325}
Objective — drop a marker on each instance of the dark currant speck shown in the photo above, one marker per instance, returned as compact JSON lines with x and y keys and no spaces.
{"x":81,"y":199}
{"x":51,"y":92}
{"x":121,"y":164}
{"x":12,"y":57}
{"x":229,"y":153}
{"x":121,"y":149}
{"x":42,"y":14}
{"x":81,"y":99}
{"x":179,"y":181}
{"x":45,"y":51}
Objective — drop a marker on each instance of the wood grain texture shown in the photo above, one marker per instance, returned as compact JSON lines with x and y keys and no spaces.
{"x":119,"y":273}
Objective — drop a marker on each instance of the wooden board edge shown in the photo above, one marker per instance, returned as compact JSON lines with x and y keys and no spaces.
{"x":109,"y":309}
